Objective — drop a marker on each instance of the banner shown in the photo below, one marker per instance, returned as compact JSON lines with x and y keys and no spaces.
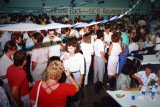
{"x":84,"y":11}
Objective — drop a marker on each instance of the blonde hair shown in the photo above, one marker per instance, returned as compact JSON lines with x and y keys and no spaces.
{"x":54,"y":70}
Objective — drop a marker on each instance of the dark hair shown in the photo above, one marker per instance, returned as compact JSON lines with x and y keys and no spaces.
{"x":9,"y":45}
{"x":74,"y":44}
{"x":15,"y":36}
{"x":107,"y":26}
{"x":63,"y":30}
{"x":99,"y":34}
{"x":19,"y":57}
{"x":53,"y":58}
{"x":149,"y":66}
{"x":115,"y":37}
{"x":126,"y":70}
{"x":38,"y":37}
{"x":122,"y":29}
{"x":44,"y":32}
{"x":52,"y":30}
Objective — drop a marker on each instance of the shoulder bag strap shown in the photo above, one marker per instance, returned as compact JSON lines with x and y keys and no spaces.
{"x":38,"y":92}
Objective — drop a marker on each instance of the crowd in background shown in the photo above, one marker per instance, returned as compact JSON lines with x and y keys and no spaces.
{"x":31,"y":56}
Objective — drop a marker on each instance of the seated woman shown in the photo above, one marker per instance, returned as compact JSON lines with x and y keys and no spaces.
{"x":52,"y":93}
{"x":144,"y":77}
{"x":124,"y":80}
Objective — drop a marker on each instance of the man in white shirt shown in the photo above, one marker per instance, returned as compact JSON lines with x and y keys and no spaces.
{"x":56,"y":43}
{"x":5,"y":61}
{"x":99,"y":58}
{"x":133,"y":46}
{"x":107,"y":39}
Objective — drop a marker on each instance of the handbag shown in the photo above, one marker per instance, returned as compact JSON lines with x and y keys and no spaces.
{"x":35,"y":105}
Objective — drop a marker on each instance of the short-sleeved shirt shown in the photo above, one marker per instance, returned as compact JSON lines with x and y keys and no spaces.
{"x":40,"y":55}
{"x":74,"y":63}
{"x":18,"y":77}
{"x":87,"y":50}
{"x":57,"y":98}
{"x":143,"y":77}
{"x":5,"y":62}
{"x":98,"y":47}
{"x":54,"y":49}
{"x":125,"y":39}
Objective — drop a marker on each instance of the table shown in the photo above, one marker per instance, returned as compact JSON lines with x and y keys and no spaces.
{"x":152,"y":59}
{"x":126,"y":101}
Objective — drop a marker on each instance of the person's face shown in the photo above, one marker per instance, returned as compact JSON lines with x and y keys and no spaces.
{"x":51,"y":34}
{"x":148,"y":71}
{"x":71,"y":49}
{"x":19,"y":40}
{"x":12,"y":51}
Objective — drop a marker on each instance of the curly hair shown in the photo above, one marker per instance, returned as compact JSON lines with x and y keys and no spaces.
{"x":115,"y":37}
{"x":54,"y":70}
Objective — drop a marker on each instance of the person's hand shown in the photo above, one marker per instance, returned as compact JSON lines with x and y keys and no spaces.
{"x":106,"y":61}
{"x":106,"y":42}
{"x":158,"y":81}
{"x":80,"y":81}
{"x":66,"y":71}
{"x":59,"y":42}
{"x":30,"y":84}
{"x":123,"y":53}
{"x":140,"y":81}
{"x":66,"y":57}
{"x":125,"y":89}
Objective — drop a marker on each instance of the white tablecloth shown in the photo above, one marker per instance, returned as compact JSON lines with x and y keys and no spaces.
{"x":139,"y":101}
{"x":152,"y":59}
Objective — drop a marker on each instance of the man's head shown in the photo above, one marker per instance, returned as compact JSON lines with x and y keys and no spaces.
{"x":10,"y":47}
{"x":20,"y":58}
{"x":51,"y":34}
{"x":148,"y":69}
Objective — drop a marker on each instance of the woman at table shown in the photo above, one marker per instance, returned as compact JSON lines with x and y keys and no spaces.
{"x":144,"y":77}
{"x":124,"y":80}
{"x":52,"y":93}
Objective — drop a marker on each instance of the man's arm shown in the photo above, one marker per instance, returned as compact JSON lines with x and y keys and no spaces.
{"x":102,"y":55}
{"x":34,"y":64}
{"x":124,"y":49}
{"x":16,"y":95}
{"x":139,"y":80}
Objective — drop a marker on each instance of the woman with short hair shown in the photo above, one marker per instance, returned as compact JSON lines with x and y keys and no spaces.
{"x":52,"y":93}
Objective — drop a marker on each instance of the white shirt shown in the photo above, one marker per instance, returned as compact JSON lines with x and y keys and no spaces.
{"x":133,"y":47}
{"x":107,"y":38}
{"x":87,"y":50}
{"x":143,"y":77}
{"x":54,"y":49}
{"x":5,"y":62}
{"x":74,"y":63}
{"x":98,"y":47}
{"x":4,"y":38}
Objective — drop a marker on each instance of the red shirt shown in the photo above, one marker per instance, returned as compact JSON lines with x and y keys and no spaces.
{"x":57,"y":98}
{"x":18,"y":77}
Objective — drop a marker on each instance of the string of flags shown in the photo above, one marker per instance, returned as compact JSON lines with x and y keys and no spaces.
{"x":34,"y":27}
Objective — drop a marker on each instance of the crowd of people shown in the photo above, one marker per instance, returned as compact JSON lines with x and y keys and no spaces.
{"x":57,"y":62}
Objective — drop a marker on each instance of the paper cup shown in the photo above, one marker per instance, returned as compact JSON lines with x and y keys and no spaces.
{"x":153,"y":92}
{"x":155,"y":85}
{"x":157,"y":55}
{"x":133,"y":97}
{"x":143,"y":92}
